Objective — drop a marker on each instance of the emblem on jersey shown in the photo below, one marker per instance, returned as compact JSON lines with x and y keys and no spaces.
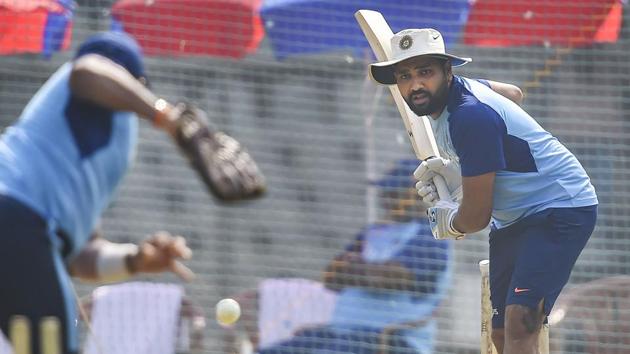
{"x":405,"y":42}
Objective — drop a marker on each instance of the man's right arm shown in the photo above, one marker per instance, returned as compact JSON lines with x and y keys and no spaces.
{"x":349,"y":269}
{"x":221,"y":161}
{"x":97,"y":79}
{"x":352,"y":271}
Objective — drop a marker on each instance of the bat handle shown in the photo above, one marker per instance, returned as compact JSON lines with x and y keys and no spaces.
{"x":442,"y":189}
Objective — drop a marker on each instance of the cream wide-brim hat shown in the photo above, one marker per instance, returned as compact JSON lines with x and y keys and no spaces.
{"x":411,"y":43}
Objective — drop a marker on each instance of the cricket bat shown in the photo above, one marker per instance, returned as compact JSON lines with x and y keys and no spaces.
{"x":378,"y":34}
{"x":543,"y":339}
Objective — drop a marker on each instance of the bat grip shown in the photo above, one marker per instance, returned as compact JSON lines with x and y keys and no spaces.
{"x":442,"y":189}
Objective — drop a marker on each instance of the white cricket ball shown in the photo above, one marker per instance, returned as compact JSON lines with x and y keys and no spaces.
{"x":228,"y":311}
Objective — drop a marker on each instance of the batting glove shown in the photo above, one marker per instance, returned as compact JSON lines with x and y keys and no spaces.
{"x":441,"y":220}
{"x":446,"y":168}
{"x":428,"y":192}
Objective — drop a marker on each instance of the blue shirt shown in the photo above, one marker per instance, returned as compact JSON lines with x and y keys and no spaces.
{"x":534,"y":171}
{"x":64,"y":158}
{"x":412,"y":245}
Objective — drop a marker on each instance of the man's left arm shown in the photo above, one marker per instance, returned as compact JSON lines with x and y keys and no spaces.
{"x":475,"y":210}
{"x":105,"y":261}
{"x":477,"y":133}
{"x":449,"y":170}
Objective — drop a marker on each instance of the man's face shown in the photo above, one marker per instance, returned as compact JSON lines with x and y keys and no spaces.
{"x":424,"y":83}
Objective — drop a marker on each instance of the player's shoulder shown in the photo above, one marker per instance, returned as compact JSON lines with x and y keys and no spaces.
{"x":465,"y":107}
{"x":461,"y":98}
{"x":472,"y":113}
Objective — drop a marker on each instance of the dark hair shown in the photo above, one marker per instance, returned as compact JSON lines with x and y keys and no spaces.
{"x":444,"y":61}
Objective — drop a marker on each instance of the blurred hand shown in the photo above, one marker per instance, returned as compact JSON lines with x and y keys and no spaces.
{"x":343,"y":270}
{"x":428,"y":192}
{"x":161,"y":252}
{"x":350,"y":256}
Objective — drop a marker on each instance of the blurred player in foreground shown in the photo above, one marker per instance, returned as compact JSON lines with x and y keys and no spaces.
{"x":60,"y":165}
{"x":390,"y":280}
{"x":541,"y":202}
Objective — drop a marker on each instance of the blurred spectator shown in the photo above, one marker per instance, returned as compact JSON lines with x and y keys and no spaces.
{"x":389,"y":281}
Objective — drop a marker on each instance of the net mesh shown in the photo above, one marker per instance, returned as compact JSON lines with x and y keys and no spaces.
{"x":299,"y":99}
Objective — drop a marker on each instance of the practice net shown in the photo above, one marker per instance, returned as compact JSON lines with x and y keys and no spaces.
{"x":288,"y":79}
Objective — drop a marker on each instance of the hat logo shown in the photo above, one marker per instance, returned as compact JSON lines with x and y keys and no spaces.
{"x":405,"y":42}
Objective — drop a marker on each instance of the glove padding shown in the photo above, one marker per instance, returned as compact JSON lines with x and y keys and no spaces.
{"x":441,"y":220}
{"x":223,"y":164}
{"x":446,"y":168}
{"x":428,"y":193}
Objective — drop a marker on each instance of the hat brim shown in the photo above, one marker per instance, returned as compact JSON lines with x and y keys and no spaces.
{"x":383,"y":72}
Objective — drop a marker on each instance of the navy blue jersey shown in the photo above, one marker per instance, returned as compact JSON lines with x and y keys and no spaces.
{"x":487,"y":132}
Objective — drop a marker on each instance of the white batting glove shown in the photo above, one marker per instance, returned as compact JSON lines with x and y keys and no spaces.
{"x":446,"y":168}
{"x":428,"y":193}
{"x":441,"y":220}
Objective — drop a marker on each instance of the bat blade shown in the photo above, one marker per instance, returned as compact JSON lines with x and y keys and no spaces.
{"x":543,"y":339}
{"x":378,"y":33}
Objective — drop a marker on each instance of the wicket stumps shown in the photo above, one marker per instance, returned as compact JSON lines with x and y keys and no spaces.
{"x":49,"y":335}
